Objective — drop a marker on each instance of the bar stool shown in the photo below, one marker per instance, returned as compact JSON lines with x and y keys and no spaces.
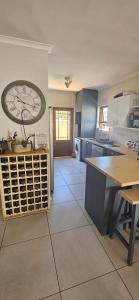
{"x":130,"y":198}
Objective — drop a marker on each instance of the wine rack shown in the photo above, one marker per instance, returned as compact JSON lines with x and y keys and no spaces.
{"x":25,"y":186}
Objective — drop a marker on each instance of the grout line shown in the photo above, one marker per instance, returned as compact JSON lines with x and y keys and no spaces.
{"x":59,"y":203}
{"x":81,"y":283}
{"x":39,"y":237}
{"x":84,"y":213}
{"x":47,"y":297}
{"x":71,"y":229}
{"x":86,"y":281}
{"x":72,"y":192}
{"x":21,"y":242}
{"x":113,"y":265}
{"x":54,"y":257}
{"x":125,"y":266}
{"x":115,"y":269}
{"x":3,"y":236}
{"x":125,"y":285}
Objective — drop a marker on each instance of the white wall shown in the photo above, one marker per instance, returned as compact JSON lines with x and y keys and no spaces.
{"x":22,"y":63}
{"x":58,"y":98}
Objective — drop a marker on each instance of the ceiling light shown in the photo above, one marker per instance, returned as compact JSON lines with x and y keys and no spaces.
{"x":68,"y":81}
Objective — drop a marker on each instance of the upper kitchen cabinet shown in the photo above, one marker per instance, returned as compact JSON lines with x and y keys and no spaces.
{"x":86,"y":112}
{"x":120,"y":108}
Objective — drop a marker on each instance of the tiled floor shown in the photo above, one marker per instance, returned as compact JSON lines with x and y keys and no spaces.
{"x":61,"y":255}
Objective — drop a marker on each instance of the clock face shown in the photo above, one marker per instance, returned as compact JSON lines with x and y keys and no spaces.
{"x":23,"y":102}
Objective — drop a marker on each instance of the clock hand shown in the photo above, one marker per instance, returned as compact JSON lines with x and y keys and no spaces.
{"x":20,"y":100}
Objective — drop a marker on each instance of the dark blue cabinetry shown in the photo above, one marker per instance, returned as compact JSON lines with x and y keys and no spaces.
{"x":86,"y":104}
{"x":86,"y":150}
{"x":89,"y":149}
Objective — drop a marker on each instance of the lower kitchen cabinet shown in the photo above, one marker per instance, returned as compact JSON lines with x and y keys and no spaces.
{"x":86,"y":150}
{"x":90,"y":150}
{"x":99,"y":198}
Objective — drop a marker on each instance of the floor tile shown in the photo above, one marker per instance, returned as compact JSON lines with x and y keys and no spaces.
{"x":79,"y":256}
{"x":2,"y":228}
{"x":74,"y":178}
{"x":25,"y":228}
{"x":54,"y":297}
{"x":66,"y":216}
{"x":27,"y":271}
{"x":59,"y":181}
{"x":56,"y":171}
{"x":115,"y":249}
{"x":81,"y":204}
{"x":107,"y":287}
{"x":130,"y":276}
{"x":82,"y":167}
{"x":69,"y":170}
{"x":62,"y":194}
{"x":78,"y":190}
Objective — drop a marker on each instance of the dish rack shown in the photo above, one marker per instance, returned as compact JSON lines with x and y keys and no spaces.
{"x":24,"y":183}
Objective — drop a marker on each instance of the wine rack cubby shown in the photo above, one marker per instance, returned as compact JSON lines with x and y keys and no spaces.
{"x":25,"y":186}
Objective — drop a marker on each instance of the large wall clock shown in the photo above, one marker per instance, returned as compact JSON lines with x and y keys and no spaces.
{"x":23,"y":102}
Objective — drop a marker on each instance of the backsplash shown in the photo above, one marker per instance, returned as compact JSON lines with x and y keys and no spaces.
{"x":120,"y":135}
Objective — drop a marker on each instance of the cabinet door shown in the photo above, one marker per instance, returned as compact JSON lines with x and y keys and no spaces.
{"x":88,"y":149}
{"x":112,"y":113}
{"x":83,"y":150}
{"x":89,"y":113}
{"x":123,"y":107}
{"x":97,"y":151}
{"x":118,"y":111}
{"x":78,"y":102}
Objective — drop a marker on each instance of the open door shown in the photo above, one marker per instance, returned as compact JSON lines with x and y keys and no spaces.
{"x":63,"y":131}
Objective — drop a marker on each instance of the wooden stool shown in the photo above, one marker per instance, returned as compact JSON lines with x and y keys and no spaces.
{"x":131,"y":199}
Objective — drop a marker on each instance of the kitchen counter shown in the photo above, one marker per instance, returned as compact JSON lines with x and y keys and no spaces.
{"x":123,"y":170}
{"x":95,"y":148}
{"x":105,"y":175}
{"x":121,"y":149}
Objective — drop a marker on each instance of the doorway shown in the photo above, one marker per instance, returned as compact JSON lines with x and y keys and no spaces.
{"x":63,"y":131}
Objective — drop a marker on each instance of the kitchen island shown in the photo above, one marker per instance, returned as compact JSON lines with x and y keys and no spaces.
{"x":106,"y":175}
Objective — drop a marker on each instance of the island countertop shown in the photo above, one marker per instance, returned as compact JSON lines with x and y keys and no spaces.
{"x":123,"y":169}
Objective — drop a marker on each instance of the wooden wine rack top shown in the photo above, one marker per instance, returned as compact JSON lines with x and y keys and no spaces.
{"x":12,"y":154}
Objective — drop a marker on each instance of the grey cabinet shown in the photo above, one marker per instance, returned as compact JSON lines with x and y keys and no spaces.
{"x":86,"y":105}
{"x":97,"y":151}
{"x":88,"y":149}
{"x":83,"y":150}
{"x":109,"y":152}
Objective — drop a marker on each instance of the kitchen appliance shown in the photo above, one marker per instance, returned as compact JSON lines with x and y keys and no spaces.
{"x":51,"y":148}
{"x":78,"y":145}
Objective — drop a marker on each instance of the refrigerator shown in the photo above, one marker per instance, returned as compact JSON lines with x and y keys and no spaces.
{"x":51,"y":148}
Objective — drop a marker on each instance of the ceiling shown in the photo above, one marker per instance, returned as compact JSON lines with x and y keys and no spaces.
{"x":94,"y":41}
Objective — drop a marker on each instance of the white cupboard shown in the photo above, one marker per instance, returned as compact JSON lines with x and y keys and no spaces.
{"x":119,"y":109}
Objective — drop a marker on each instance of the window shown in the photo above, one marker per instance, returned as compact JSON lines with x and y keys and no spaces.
{"x":103,"y":118}
{"x":63,"y":125}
